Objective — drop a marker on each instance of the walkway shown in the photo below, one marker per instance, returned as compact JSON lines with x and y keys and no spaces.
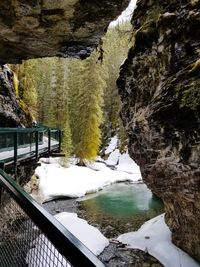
{"x":19,"y":144}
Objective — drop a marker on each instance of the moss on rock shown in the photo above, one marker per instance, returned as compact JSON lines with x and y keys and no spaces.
{"x":159,"y":85}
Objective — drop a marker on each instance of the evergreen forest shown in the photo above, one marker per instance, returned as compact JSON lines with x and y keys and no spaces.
{"x":78,"y":96}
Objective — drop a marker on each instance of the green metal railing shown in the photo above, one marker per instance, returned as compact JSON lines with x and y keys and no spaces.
{"x":30,"y":236}
{"x":21,"y":143}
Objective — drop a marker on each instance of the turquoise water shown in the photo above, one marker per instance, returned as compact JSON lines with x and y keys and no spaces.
{"x":124,"y":201}
{"x":120,"y":208}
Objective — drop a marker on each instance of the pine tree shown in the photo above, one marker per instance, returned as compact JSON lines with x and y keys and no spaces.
{"x":25,"y":87}
{"x":89,"y":99}
{"x":80,"y":97}
{"x":56,"y":102}
{"x":66,"y":143}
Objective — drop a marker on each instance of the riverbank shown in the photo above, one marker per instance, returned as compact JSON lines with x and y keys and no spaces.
{"x":116,"y":254}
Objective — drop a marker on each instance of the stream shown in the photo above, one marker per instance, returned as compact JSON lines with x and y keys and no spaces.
{"x":117,"y":209}
{"x":120,"y":208}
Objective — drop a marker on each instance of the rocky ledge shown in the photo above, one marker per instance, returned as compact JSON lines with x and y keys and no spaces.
{"x":34,"y":28}
{"x":159,"y":86}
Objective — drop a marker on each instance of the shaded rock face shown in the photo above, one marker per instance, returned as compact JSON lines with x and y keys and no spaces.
{"x":34,"y":28}
{"x":159,"y":86}
{"x":11,"y":112}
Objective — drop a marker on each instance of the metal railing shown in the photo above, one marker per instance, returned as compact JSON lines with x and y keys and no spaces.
{"x":30,"y":236}
{"x":21,"y":143}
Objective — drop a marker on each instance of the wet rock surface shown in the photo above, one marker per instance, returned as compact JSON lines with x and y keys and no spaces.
{"x":34,"y":28}
{"x":11,"y":112}
{"x":116,"y":254}
{"x":159,"y":86}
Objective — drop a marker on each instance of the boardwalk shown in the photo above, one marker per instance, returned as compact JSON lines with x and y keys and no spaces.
{"x":29,"y":150}
{"x":17,"y":145}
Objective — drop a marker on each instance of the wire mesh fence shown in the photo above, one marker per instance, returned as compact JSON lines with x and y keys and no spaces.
{"x":30,"y":236}
{"x":22,"y":243}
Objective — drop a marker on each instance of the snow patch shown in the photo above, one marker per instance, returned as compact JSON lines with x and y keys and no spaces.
{"x":122,"y":162}
{"x":112,"y":146}
{"x":40,"y":255}
{"x":126,"y":14}
{"x":113,"y":158}
{"x":154,"y":237}
{"x":76,"y":181}
{"x":126,"y":164}
{"x":89,"y":235}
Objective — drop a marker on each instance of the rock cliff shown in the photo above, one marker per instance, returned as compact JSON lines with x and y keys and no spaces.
{"x":13,"y":112}
{"x":44,"y":28}
{"x":159,"y":86}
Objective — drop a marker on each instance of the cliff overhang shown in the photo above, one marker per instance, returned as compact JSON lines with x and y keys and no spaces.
{"x":31,"y":29}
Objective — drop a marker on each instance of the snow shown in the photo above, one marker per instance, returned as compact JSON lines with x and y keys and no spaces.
{"x":154,"y":237}
{"x":122,"y":162}
{"x":113,"y":157}
{"x":40,"y":255}
{"x":112,"y":145}
{"x":126,"y":164}
{"x":82,"y":230}
{"x":76,"y":181}
{"x":126,"y":14}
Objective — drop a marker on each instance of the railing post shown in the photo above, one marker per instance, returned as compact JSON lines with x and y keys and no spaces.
{"x":15,"y":151}
{"x":30,"y":141}
{"x":1,"y":188}
{"x":2,"y":165}
{"x":36,"y":143}
{"x":1,"y":194}
{"x":49,"y":141}
{"x":59,"y":139}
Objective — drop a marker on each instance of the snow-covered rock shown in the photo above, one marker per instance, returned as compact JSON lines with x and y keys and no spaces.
{"x":76,"y":181}
{"x":155,"y":237}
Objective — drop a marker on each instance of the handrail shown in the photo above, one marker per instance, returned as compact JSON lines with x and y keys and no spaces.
{"x":65,"y":242}
{"x":23,"y":137}
{"x":24,"y":130}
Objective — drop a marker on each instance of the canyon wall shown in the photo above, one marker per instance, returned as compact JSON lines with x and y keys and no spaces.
{"x":159,"y":85}
{"x":35,"y":28}
{"x":13,"y":112}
